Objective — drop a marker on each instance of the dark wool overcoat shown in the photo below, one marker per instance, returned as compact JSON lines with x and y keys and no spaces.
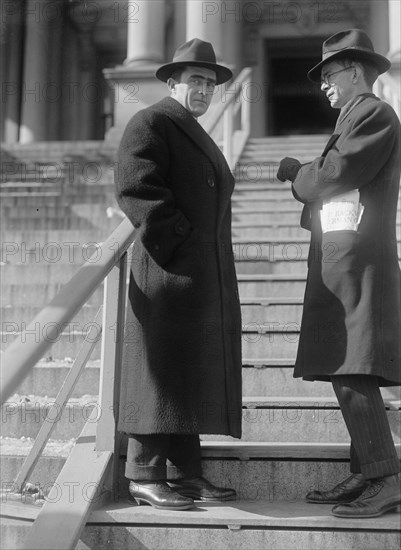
{"x":351,"y":321}
{"x":182,"y":351}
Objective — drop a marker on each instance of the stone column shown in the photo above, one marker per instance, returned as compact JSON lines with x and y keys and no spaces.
{"x":54,"y":93}
{"x":89,"y":97}
{"x":394,"y":53}
{"x":205,"y":21}
{"x":133,"y":83}
{"x":394,"y":18}
{"x":378,"y":27}
{"x":33,"y":113}
{"x":218,"y":22}
{"x":11,"y":55}
{"x":145,"y":32}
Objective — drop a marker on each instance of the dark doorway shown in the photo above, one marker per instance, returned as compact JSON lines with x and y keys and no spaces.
{"x":295,"y":104}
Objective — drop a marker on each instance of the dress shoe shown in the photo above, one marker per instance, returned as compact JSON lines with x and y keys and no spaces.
{"x":382,"y":495}
{"x":200,"y":488}
{"x":346,"y":491}
{"x":159,"y":495}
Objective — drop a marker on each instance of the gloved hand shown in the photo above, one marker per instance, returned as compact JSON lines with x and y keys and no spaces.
{"x":288,"y":169}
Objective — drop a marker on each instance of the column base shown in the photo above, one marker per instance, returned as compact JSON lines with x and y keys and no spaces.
{"x":135,"y":87}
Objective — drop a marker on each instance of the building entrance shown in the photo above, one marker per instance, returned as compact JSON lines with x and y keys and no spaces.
{"x":295,"y":104}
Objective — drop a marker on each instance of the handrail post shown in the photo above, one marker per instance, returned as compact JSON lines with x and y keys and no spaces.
{"x":228,"y":133}
{"x":246,"y":112}
{"x":107,"y":438}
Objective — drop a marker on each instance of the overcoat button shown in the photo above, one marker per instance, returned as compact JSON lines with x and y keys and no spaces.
{"x":157,"y":247}
{"x":210,"y":182}
{"x":179,"y":229}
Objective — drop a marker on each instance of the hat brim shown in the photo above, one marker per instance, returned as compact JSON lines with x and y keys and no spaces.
{"x":381,"y":62}
{"x":223,"y":74}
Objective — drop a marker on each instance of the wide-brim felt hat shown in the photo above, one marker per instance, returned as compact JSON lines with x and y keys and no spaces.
{"x":196,"y":53}
{"x":351,"y":44}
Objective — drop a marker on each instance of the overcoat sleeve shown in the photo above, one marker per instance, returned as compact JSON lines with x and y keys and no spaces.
{"x":353,"y":161}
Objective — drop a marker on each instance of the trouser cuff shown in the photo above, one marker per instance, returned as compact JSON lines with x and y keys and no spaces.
{"x":145,"y":473}
{"x":381,"y":469}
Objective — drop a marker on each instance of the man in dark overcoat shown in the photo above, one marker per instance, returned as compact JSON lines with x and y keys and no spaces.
{"x":351,"y":323}
{"x":181,"y":372}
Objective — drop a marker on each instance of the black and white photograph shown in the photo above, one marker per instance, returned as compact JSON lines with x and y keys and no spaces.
{"x":200,"y":309}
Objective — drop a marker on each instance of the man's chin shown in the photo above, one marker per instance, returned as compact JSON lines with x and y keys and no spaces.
{"x":199,"y":112}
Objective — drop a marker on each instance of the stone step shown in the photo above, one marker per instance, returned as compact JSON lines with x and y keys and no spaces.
{"x":254,"y":206}
{"x":266,"y":267}
{"x":47,"y":377}
{"x":261,"y":312}
{"x":271,"y":157}
{"x":268,"y":524}
{"x":250,"y":286}
{"x":24,"y":185}
{"x":291,"y":266}
{"x":265,"y":285}
{"x":268,"y":204}
{"x":59,"y":236}
{"x":252,"y":216}
{"x":265,"y":231}
{"x":44,"y":211}
{"x":271,"y":377}
{"x":270,"y":339}
{"x":278,"y":419}
{"x":256,"y":470}
{"x":253,"y":310}
{"x":59,"y":267}
{"x":61,"y":151}
{"x":267,"y":339}
{"x":259,"y":249}
{"x":268,"y":377}
{"x":38,"y":293}
{"x":16,"y":201}
{"x":17,"y":313}
{"x":287,"y":144}
{"x":65,"y":345}
{"x":246,"y":187}
{"x":52,"y":223}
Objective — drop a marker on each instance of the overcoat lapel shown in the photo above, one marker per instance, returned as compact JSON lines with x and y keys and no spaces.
{"x":182,"y":118}
{"x":186,"y":122}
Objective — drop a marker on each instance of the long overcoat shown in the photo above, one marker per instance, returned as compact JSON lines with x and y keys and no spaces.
{"x":182,"y":351}
{"x":351,"y":321}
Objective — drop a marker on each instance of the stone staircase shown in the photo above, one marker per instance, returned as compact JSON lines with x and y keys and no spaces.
{"x":294,"y":438}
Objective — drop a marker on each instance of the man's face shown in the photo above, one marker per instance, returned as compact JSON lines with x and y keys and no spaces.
{"x":195,"y":89}
{"x":337,"y":83}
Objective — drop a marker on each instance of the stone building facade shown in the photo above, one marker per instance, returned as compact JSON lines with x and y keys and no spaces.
{"x":77,"y":70}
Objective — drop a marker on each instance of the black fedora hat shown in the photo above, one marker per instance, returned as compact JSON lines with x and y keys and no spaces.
{"x":352,"y":44}
{"x":196,"y":53}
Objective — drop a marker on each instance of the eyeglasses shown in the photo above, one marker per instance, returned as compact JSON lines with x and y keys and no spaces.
{"x":326,"y":79}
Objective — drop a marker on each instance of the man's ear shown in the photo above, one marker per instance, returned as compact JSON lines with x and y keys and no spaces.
{"x":358,"y":72}
{"x":171,"y":84}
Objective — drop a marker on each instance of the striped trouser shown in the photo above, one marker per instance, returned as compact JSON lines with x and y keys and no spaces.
{"x":372,"y":447}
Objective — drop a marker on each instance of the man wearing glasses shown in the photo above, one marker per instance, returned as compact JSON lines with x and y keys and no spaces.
{"x":351,"y":324}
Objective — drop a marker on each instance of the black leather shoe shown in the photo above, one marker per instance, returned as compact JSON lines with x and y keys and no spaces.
{"x":382,"y":495}
{"x":200,"y":488}
{"x":346,"y":491}
{"x":159,"y":495}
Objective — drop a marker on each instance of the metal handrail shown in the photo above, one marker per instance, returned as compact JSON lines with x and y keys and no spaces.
{"x":223,"y":117}
{"x":21,"y":356}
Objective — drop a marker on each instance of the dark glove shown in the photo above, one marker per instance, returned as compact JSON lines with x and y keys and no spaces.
{"x":288,"y":169}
